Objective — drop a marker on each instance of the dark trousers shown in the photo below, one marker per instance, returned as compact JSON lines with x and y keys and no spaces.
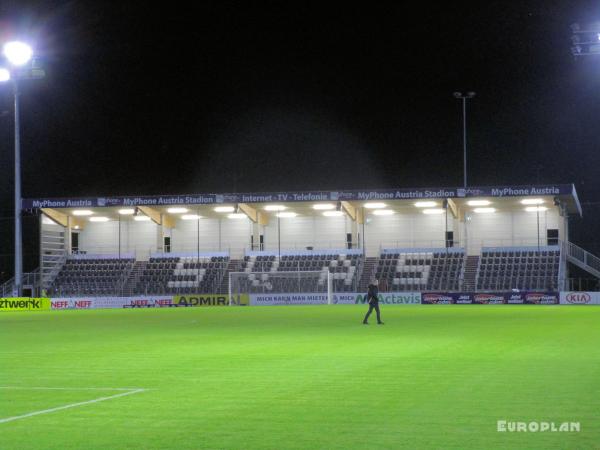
{"x":373,"y":306}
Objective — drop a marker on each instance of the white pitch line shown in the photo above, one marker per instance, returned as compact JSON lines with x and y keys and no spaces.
{"x":72,"y":405}
{"x":75,"y":388}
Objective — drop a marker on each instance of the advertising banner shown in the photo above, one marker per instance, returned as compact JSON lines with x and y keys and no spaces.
{"x":210,"y":300}
{"x":24,"y":304}
{"x":493,"y":298}
{"x":388,"y":298}
{"x":490,"y":298}
{"x":156,"y":301}
{"x":580,"y":298}
{"x":303,"y":196}
{"x":437,"y":298}
{"x":339,"y":298}
{"x":542,"y":298}
{"x":111,"y":302}
{"x":72,"y":303}
{"x":318,"y":298}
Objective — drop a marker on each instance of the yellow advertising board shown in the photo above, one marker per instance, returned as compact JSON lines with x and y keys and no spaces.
{"x":24,"y":304}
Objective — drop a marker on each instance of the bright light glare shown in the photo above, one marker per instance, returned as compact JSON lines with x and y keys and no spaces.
{"x":190,"y":217}
{"x":425,"y":204}
{"x":99,"y":219}
{"x":48,"y":221}
{"x":4,"y":75}
{"x":434,"y":211}
{"x":82,"y":212}
{"x":177,"y":210}
{"x":286,"y":215}
{"x":224,"y":209}
{"x":141,"y":218}
{"x":478,"y":202}
{"x":532,"y":201}
{"x":333,"y":213}
{"x":18,"y":53}
{"x":375,"y":205}
{"x":126,"y":211}
{"x":237,"y":216}
{"x":323,"y":206}
{"x":536,"y":208}
{"x":274,"y":208}
{"x":383,"y":212}
{"x":484,"y":210}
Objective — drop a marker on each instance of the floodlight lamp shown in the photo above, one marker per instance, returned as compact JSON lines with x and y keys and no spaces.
{"x":286,"y":215}
{"x":478,"y":202}
{"x":434,"y":211}
{"x":532,"y":201}
{"x":4,"y":75}
{"x":374,"y":205}
{"x":425,"y":204}
{"x":177,"y":210}
{"x":323,"y":206}
{"x":274,"y":208}
{"x":536,"y":208}
{"x":82,"y":212}
{"x":17,"y":53}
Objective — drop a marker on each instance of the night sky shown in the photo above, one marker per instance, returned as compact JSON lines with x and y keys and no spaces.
{"x":223,"y":97}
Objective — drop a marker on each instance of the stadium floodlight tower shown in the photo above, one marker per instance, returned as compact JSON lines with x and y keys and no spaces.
{"x":469,"y":95}
{"x":586,"y":40}
{"x":19,"y":56}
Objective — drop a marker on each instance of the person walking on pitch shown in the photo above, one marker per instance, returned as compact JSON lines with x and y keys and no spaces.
{"x":373,"y":300}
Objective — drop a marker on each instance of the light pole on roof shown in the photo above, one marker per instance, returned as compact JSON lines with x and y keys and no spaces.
{"x":464,"y":97}
{"x":19,"y":57}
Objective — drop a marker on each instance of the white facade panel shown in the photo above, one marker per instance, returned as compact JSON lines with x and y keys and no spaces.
{"x":100,"y":238}
{"x":510,"y":228}
{"x":416,"y":230}
{"x":187,"y":234}
{"x":305,"y":231}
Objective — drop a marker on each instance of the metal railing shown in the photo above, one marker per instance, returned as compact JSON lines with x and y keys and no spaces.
{"x":143,"y":252}
{"x":583,"y":258}
{"x":29,"y":279}
{"x":419,"y":244}
{"x":305,"y":245}
{"x":517,"y":283}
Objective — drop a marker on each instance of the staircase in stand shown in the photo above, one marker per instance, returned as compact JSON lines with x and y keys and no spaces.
{"x":234,"y":265}
{"x":470,"y":274}
{"x":133,"y":277}
{"x":368,"y":273}
{"x":582,"y":259}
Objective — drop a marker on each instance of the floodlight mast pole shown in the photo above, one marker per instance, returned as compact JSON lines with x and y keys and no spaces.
{"x":18,"y":54}
{"x":18,"y":238}
{"x":464,"y":98}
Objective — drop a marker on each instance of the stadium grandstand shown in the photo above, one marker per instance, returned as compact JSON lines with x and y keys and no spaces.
{"x":480,"y":239}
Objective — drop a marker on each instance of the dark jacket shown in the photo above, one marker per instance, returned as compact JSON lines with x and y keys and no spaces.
{"x":373,"y":294}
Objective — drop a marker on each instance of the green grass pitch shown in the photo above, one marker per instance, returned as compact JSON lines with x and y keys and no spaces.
{"x":295,"y":377}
